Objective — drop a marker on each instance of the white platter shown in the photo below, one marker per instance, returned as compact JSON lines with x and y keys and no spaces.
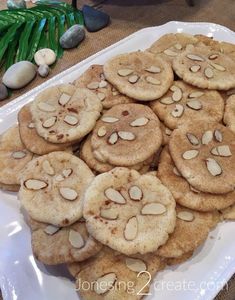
{"x":22,"y":278}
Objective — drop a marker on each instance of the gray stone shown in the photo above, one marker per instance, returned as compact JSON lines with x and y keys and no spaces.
{"x":3,"y":92}
{"x":19,"y":75}
{"x":14,"y":4}
{"x":43,"y":70}
{"x":72,"y":37}
{"x":94,"y":19}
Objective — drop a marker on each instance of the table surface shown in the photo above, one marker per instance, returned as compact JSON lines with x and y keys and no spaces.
{"x":129,"y":16}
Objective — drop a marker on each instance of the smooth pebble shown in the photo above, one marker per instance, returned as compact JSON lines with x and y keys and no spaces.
{"x":72,"y":37}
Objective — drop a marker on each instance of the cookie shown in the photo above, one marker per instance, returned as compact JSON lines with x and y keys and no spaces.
{"x":139,"y":75}
{"x":129,"y":212}
{"x":13,"y":158}
{"x":204,"y":154}
{"x":204,"y":68}
{"x":126,"y":135}
{"x":53,"y":186}
{"x":229,"y":213}
{"x":183,"y":103}
{"x":184,"y":194}
{"x":53,"y":245}
{"x":86,"y":154}
{"x":179,"y":260}
{"x":93,"y":79}
{"x":191,"y":230}
{"x":172,"y":44}
{"x":229,"y":114}
{"x":64,"y":113}
{"x":115,"y":276}
{"x":32,"y":141}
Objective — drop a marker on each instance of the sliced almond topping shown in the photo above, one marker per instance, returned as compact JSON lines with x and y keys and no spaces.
{"x":109,"y":119}
{"x":153,"y":209}
{"x":131,"y":229}
{"x":103,"y":84}
{"x":194,"y":190}
{"x":113,"y":138}
{"x":195,"y":94}
{"x":207,"y":137}
{"x":195,"y":57}
{"x":178,"y":111}
{"x":192,"y":139}
{"x":18,"y":154}
{"x":133,"y":78}
{"x":178,"y":46}
{"x":135,"y":193}
{"x":139,"y":122}
{"x":114,"y":196}
{"x":218,"y":135}
{"x":168,"y":131}
{"x":115,"y":93}
{"x":67,"y":172}
{"x":64,"y":99}
{"x":194,"y":104}
{"x":71,"y":120}
{"x":110,"y":214}
{"x":31,"y":125}
{"x":218,"y":67}
{"x":102,"y":77}
{"x":75,"y":239}
{"x":51,"y":229}
{"x":224,"y":150}
{"x":153,"y":70}
{"x":59,"y":178}
{"x":46,"y":107}
{"x":177,"y":95}
{"x":135,"y":265}
{"x":126,"y":135}
{"x":47,"y":168}
{"x":93,"y":85}
{"x":167,"y":100}
{"x":35,"y":184}
{"x":190,"y":154}
{"x":208,"y":72}
{"x":125,"y":72}
{"x":213,"y":167}
{"x":176,"y":172}
{"x":101,"y":96}
{"x":105,"y":283}
{"x":185,"y":216}
{"x":195,"y":68}
{"x":49,"y":122}
{"x":102,"y":131}
{"x":152,"y":80}
{"x":68,"y":193}
{"x":213,"y":56}
{"x":214,"y":151}
{"x":174,"y":88}
{"x":169,"y":52}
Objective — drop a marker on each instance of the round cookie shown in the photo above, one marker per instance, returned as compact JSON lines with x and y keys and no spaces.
{"x":204,"y":154}
{"x":229,"y":213}
{"x":116,"y":276}
{"x":32,"y":141}
{"x":139,"y":75}
{"x":184,"y":194}
{"x":13,"y":158}
{"x":64,"y":113}
{"x":229,"y":114}
{"x":129,"y":212}
{"x":172,"y":44}
{"x":126,"y":135}
{"x":53,"y":186}
{"x":204,"y":68}
{"x":93,"y":79}
{"x":53,"y":245}
{"x":191,"y":230}
{"x":183,"y":103}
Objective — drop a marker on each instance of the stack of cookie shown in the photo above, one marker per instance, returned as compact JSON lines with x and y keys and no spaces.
{"x":99,"y":209}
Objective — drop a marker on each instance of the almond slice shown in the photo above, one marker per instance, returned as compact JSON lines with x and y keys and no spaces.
{"x":213,"y":167}
{"x":59,"y":178}
{"x":35,"y":184}
{"x":185,"y":216}
{"x":207,"y":137}
{"x":47,"y":168}
{"x":178,"y":111}
{"x":75,"y":239}
{"x":68,"y":193}
{"x":214,"y":151}
{"x":114,"y":196}
{"x":217,"y":67}
{"x":64,"y":99}
{"x":135,"y":193}
{"x":103,"y":84}
{"x":125,"y":72}
{"x":195,"y":68}
{"x":71,"y":120}
{"x":139,"y":122}
{"x":174,"y":88}
{"x":169,"y":52}
{"x":49,"y":122}
{"x":213,"y":56}
{"x":195,"y":57}
{"x":190,"y":154}
{"x":192,"y":139}
{"x":109,"y":119}
{"x":51,"y":229}
{"x":110,"y":214}
{"x":177,"y":95}
{"x":31,"y":125}
{"x":135,"y":265}
{"x":152,"y":80}
{"x":131,"y":229}
{"x":176,"y":172}
{"x":153,"y":69}
{"x":46,"y":107}
{"x":18,"y":154}
{"x":194,"y":190}
{"x":104,"y":283}
{"x":167,"y":100}
{"x":93,"y":85}
{"x":102,"y":131}
{"x":194,"y":104}
{"x":208,"y":72}
{"x":224,"y":150}
{"x":126,"y":135}
{"x":178,"y":46}
{"x":195,"y":94}
{"x":218,"y":135}
{"x":133,"y":78}
{"x":168,"y":131}
{"x":67,"y":172}
{"x":153,"y":209}
{"x":101,"y":96}
{"x":113,"y":138}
